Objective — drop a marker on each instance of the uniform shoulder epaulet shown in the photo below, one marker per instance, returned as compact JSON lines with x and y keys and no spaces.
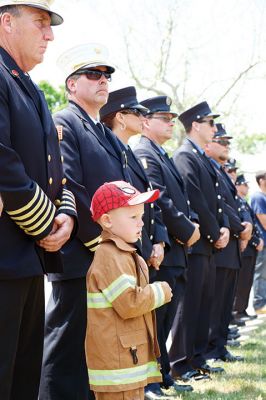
{"x":59,"y":129}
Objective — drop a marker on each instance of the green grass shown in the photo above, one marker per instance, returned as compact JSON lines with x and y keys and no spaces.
{"x":242,"y":380}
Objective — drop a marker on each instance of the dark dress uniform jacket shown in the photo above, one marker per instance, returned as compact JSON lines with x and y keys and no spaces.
{"x":204,"y":194}
{"x":85,"y":147}
{"x":229,"y":257}
{"x":154,"y":230}
{"x":173,"y":199}
{"x":250,"y":250}
{"x":30,"y":175}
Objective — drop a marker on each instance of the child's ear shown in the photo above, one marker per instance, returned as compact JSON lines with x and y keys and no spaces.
{"x":106,"y":221}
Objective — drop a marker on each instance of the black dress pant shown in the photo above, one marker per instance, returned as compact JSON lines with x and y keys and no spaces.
{"x":64,"y":370}
{"x":225,"y":286}
{"x":244,"y":283}
{"x":191,"y":326}
{"x":176,"y":278}
{"x":21,"y":344}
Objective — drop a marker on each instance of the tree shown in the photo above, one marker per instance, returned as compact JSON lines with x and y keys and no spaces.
{"x":251,"y":144}
{"x":180,"y":51}
{"x":55,"y":98}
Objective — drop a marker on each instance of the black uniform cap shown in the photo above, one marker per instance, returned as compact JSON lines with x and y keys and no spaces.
{"x":241,"y":180}
{"x":221,"y":132}
{"x":230,"y":165}
{"x":122,"y":99}
{"x":158,"y":104}
{"x":196,"y":113}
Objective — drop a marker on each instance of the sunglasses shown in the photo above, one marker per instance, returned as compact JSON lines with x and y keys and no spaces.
{"x":132,"y":111}
{"x":95,"y":75}
{"x":167,"y":120}
{"x":222,"y":142}
{"x":207,"y":121}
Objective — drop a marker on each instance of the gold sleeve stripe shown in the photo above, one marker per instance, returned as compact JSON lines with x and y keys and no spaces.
{"x":68,"y":196}
{"x":33,"y":212}
{"x":68,"y":193}
{"x":94,"y":241}
{"x":66,"y":208}
{"x":51,"y":209}
{"x":66,"y":202}
{"x":42,"y":229}
{"x":28,"y":205}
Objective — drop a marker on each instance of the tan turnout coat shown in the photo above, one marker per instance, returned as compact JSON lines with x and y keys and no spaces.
{"x":121,"y":343}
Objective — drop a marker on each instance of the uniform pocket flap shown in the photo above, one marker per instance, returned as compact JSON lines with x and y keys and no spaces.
{"x":133,"y":339}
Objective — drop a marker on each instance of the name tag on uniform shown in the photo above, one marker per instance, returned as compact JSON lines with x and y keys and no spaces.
{"x":59,"y":129}
{"x":144,"y":163}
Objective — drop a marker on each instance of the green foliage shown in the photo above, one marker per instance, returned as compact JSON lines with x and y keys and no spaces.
{"x":251,"y":143}
{"x":55,"y":98}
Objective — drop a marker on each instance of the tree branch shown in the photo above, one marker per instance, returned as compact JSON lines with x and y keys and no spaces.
{"x":240,"y":76}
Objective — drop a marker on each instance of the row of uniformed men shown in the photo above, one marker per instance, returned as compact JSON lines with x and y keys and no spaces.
{"x":193,"y":236}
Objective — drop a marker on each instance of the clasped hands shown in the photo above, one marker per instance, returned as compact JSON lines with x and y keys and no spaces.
{"x":60,"y":233}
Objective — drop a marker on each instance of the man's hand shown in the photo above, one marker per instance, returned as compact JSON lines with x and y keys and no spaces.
{"x":62,"y":228}
{"x":247,"y":232}
{"x":195,"y":236}
{"x":157,"y":256}
{"x":223,"y":240}
{"x":243,"y":244}
{"x":260,"y":245}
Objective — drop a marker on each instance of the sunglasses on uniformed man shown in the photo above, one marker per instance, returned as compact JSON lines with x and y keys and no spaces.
{"x":211,"y":122}
{"x":94,"y":74}
{"x":163,"y":118}
{"x":132,"y":111}
{"x":222,"y":142}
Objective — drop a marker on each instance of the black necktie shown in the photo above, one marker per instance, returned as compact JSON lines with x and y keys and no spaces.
{"x":169,"y":158}
{"x":99,"y":125}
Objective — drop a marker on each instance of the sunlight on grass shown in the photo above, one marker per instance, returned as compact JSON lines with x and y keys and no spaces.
{"x":242,"y":380}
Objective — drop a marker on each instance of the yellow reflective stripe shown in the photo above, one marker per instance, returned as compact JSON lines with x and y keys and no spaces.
{"x":28,"y":205}
{"x":40,"y":221}
{"x":97,"y":300}
{"x":122,"y":283}
{"x":123,"y":376}
{"x":159,"y":297}
{"x":30,"y":221}
{"x":94,"y":248}
{"x":42,"y":229}
{"x":96,"y":240}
